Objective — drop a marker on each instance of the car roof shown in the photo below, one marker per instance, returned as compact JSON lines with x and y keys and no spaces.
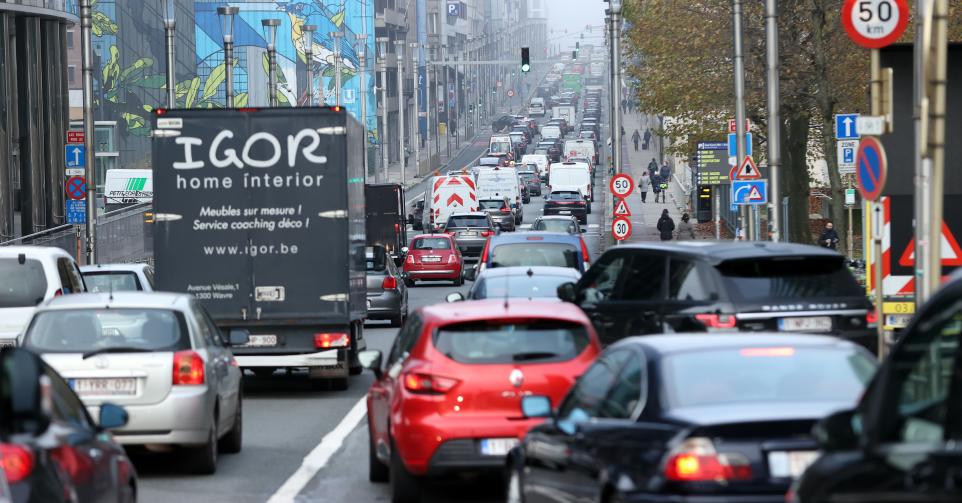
{"x":666,"y":344}
{"x":438,"y":235}
{"x":495,"y":309}
{"x":566,"y":218}
{"x":33,"y":251}
{"x":541,"y":236}
{"x":720,"y":251}
{"x":118,"y":300}
{"x":113,"y":267}
{"x":537,"y":270}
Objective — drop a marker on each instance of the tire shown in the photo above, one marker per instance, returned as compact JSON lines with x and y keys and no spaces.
{"x":459,"y":281}
{"x":376,"y":470}
{"x":409,"y":283}
{"x":204,"y":458}
{"x":232,"y":442}
{"x":397,"y":321}
{"x":588,"y":210}
{"x":129,"y":493}
{"x":405,"y":487}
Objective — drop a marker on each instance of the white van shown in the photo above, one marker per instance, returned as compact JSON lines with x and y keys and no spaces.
{"x":571,"y":176}
{"x":536,"y":107}
{"x":550,"y":132}
{"x":124,"y":187}
{"x":566,"y":112}
{"x":539,"y":160}
{"x":501,"y":146}
{"x":501,"y":183}
{"x":31,"y":275}
{"x":449,"y":194}
{"x":581,"y":148}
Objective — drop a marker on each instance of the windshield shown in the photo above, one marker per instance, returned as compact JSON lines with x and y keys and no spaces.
{"x":533,"y":253}
{"x":81,"y":331}
{"x":566,"y":226}
{"x":375,"y":258}
{"x":472,"y":221}
{"x":566,"y":196}
{"x":522,"y":286}
{"x":788,"y":278}
{"x":494,"y":342}
{"x":492,"y":204}
{"x":21,"y":285}
{"x":113,"y":281}
{"x":431,"y":244}
{"x":501,"y":147}
{"x":765,"y":375}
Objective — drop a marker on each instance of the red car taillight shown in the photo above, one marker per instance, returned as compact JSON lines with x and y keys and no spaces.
{"x":188,"y":369}
{"x":452,"y":259}
{"x":484,"y":252}
{"x":717,"y":320}
{"x":871,"y":318}
{"x":486,"y":234}
{"x":332,"y":340}
{"x":17,"y":462}
{"x":410,"y":259}
{"x":389,"y":283}
{"x":697,"y":461}
{"x":584,"y":250}
{"x":428,"y":384}
{"x":505,"y":211}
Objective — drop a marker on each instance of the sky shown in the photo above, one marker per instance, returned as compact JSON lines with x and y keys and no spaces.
{"x":574,"y":15}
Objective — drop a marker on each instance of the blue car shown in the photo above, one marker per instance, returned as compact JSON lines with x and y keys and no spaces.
{"x":521,"y":249}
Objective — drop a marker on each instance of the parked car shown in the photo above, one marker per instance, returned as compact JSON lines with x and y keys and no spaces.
{"x":533,"y":249}
{"x":31,"y":275}
{"x":387,"y":293}
{"x":447,"y":396}
{"x":566,"y":203}
{"x":118,"y":277}
{"x":526,"y":282}
{"x":899,"y":441}
{"x":470,"y":231}
{"x":557,"y":223}
{"x":685,"y":418}
{"x":50,"y":448}
{"x":500,"y":212}
{"x":159,"y":355}
{"x":433,"y":257}
{"x":749,"y":287}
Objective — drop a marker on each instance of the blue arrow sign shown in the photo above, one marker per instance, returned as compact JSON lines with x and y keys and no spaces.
{"x":846,"y":126}
{"x":733,"y":145}
{"x":76,"y":212}
{"x":750,"y":192}
{"x":76,"y":155}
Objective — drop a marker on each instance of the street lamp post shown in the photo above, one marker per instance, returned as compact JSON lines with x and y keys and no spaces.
{"x":382,"y":48}
{"x":86,"y":25}
{"x":271,"y":26}
{"x":308,"y":34}
{"x":169,"y":23}
{"x":774,"y":120}
{"x":399,"y":52}
{"x":337,"y":36}
{"x":417,"y":112}
{"x":362,"y":84}
{"x":227,"y":28}
{"x":740,"y":147}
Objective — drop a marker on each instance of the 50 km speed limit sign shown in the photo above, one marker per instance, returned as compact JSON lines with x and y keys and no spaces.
{"x":874,"y":24}
{"x":621,"y":228}
{"x":621,"y":185}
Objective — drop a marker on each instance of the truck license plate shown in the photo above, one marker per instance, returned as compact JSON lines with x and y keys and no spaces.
{"x":120,"y":386}
{"x":808,"y":324}
{"x":497,"y":446}
{"x":260,"y":341}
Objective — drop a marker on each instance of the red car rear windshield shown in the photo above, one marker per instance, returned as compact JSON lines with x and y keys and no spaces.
{"x":431,"y":244}
{"x":492,"y":342}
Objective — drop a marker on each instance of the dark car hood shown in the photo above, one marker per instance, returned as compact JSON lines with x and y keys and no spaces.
{"x":727,"y":413}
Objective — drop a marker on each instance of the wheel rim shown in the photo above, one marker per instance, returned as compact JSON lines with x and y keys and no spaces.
{"x":514,"y":488}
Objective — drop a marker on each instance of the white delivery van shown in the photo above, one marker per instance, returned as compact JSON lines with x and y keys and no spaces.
{"x":571,"y":176}
{"x":500,"y":183}
{"x":536,"y":107}
{"x":550,"y":132}
{"x":501,"y":146}
{"x":449,"y":194}
{"x":566,"y":112}
{"x":125,"y":187}
{"x":539,"y":160}
{"x":582,"y":148}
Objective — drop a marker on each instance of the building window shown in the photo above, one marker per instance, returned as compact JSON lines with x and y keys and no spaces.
{"x":69,"y":39}
{"x":71,"y":74}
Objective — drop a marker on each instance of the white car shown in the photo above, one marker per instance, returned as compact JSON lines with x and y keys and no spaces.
{"x":30,"y":275}
{"x":539,"y":160}
{"x":119,"y":277}
{"x":159,"y":356}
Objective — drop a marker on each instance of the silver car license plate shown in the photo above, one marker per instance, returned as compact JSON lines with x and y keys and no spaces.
{"x":260,"y":341}
{"x":806,"y":324}
{"x":430,"y":259}
{"x":114,"y":386}
{"x":469,"y":233}
{"x":497,"y":446}
{"x":565,"y":212}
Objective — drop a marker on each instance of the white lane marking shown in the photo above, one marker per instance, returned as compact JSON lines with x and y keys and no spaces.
{"x":415,"y":198}
{"x":318,"y":458}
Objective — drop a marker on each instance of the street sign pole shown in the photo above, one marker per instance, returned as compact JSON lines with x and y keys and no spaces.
{"x":744,"y":213}
{"x":86,"y":45}
{"x":774,"y":121}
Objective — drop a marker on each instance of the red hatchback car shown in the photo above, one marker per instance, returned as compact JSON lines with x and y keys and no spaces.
{"x":433,"y":257}
{"x":448,"y":395}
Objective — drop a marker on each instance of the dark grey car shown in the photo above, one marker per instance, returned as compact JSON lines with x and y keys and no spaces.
{"x":470,"y":231}
{"x":500,"y":212}
{"x":387,"y":295}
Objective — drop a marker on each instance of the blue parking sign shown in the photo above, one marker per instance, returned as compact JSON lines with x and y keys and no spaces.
{"x":76,"y":212}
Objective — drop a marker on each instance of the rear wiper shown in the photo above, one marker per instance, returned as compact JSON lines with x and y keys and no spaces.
{"x":534,"y":355}
{"x":116,"y":349}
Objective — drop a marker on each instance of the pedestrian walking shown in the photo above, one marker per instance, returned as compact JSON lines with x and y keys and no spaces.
{"x":635,"y":137}
{"x":662,"y":190}
{"x":666,"y":226}
{"x":828,"y":238}
{"x":653,"y":169}
{"x":665,"y":171}
{"x":644,"y":185}
{"x":648,"y":140}
{"x":685,"y":229}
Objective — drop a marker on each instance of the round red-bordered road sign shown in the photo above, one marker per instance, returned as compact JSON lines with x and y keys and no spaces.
{"x":621,"y":228}
{"x":871,"y":167}
{"x":621,"y":185}
{"x":874,"y":24}
{"x":76,"y":188}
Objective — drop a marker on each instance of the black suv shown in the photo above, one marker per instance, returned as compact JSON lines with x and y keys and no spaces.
{"x":568,"y":203}
{"x":698,"y":286}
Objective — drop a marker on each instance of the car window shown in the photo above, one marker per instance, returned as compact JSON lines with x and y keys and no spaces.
{"x":685,"y":281}
{"x":534,"y":253}
{"x":112,"y":281}
{"x":629,"y":392}
{"x":149,"y":274}
{"x":798,"y":276}
{"x":564,"y":226}
{"x":539,"y":286}
{"x":23,"y":284}
{"x":431,"y":244}
{"x":524,"y":341}
{"x":468,"y":221}
{"x":406,"y":338}
{"x":83,"y":330}
{"x":641,"y":279}
{"x":491,"y":204}
{"x":924,"y":367}
{"x":585,"y":399}
{"x":208,"y":328}
{"x":67,"y":280}
{"x":375,"y":258}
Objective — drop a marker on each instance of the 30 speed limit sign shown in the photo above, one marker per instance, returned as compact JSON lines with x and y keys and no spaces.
{"x":622,"y":185}
{"x":874,"y":24}
{"x":621,"y":228}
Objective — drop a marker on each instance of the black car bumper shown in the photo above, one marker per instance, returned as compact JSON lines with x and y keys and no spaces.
{"x":463,"y":455}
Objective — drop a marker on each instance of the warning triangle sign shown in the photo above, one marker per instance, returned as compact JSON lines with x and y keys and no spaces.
{"x":621,"y":208}
{"x":755,"y":194}
{"x":951,"y":251}
{"x":747,"y":170}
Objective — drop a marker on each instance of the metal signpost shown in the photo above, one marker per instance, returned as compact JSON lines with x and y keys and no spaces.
{"x":872,"y":167}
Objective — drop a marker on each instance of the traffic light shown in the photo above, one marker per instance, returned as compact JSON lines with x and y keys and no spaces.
{"x":577,"y":46}
{"x":574,"y":55}
{"x":525,"y":60}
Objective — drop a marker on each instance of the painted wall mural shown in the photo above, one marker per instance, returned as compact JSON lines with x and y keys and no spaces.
{"x":129,"y":45}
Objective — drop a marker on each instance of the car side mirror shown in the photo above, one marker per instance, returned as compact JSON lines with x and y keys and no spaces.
{"x":454,"y":297}
{"x":536,"y":406}
{"x":584,"y":231}
{"x":112,"y":416}
{"x":837,"y":432}
{"x":567,"y":292}
{"x":238,"y":337}
{"x":371,"y":360}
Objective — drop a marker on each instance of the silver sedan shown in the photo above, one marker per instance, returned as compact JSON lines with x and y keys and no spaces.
{"x":160,"y":356}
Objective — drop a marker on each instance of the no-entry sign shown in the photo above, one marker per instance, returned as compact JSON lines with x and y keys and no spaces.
{"x":874,"y":24}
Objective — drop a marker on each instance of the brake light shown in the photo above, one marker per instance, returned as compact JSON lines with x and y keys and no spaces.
{"x":486,"y":234}
{"x":16,"y":461}
{"x":696,"y":460}
{"x":584,"y":250}
{"x":717,"y":320}
{"x":389,"y":283}
{"x":428,"y":384}
{"x":332,"y":340}
{"x":410,"y":259}
{"x":452,"y":259}
{"x":505,"y":210}
{"x":767,"y":352}
{"x":484,"y":253}
{"x":871,"y":318}
{"x":188,"y":369}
